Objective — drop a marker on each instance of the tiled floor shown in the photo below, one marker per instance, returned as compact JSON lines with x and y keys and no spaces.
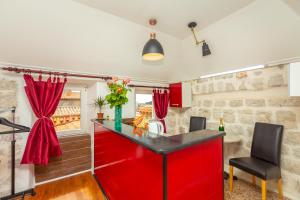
{"x":245,"y":191}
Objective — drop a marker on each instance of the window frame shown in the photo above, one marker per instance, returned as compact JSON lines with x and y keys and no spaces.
{"x":144,"y":91}
{"x":83,"y":114}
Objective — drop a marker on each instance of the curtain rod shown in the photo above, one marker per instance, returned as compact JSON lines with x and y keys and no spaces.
{"x":145,"y":86}
{"x":25,"y":70}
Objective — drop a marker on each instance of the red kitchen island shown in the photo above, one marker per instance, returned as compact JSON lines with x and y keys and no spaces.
{"x":131,"y":164}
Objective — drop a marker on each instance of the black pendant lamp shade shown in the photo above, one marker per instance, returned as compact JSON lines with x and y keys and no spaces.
{"x":205,"y":49}
{"x":153,"y":50}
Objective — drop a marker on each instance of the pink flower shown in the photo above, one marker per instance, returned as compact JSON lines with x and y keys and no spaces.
{"x":126,"y":81}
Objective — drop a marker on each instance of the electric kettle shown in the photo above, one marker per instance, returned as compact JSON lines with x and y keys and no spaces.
{"x":155,"y":126}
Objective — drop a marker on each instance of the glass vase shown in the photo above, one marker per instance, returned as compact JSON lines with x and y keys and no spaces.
{"x":118,"y":117}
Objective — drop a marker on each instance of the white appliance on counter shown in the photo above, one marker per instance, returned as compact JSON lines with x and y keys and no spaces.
{"x":155,"y":126}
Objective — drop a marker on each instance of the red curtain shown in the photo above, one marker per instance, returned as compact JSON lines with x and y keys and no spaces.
{"x":44,"y":97}
{"x":161,"y":102}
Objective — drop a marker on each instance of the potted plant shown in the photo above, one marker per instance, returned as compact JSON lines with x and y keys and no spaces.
{"x":100,"y":102}
{"x":117,"y":97}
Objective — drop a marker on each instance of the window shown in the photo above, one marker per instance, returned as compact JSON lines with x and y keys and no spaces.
{"x":68,"y":115}
{"x":144,"y":104}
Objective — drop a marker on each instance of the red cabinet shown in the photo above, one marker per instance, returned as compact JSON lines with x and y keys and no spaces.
{"x":175,"y":95}
{"x":180,"y":95}
{"x":128,"y":170}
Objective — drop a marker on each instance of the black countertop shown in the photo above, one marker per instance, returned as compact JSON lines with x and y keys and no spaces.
{"x":158,"y":143}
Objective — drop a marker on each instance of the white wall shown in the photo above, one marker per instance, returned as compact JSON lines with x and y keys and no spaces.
{"x":264,"y":31}
{"x":68,"y":35}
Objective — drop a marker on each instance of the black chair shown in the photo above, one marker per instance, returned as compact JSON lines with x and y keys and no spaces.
{"x":197,"y":123}
{"x":264,"y":161}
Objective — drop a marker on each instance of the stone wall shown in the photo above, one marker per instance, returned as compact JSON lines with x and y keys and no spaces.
{"x":243,"y":99}
{"x":12,"y":94}
{"x":8,"y":98}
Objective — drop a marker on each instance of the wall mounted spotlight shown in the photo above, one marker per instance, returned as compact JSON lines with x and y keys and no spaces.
{"x":205,"y":47}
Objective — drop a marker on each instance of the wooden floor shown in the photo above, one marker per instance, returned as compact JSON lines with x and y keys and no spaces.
{"x":80,"y":187}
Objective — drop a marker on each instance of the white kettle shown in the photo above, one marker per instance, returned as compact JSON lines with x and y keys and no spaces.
{"x":155,"y":126}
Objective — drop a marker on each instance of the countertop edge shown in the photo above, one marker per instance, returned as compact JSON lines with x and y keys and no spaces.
{"x":162,"y":151}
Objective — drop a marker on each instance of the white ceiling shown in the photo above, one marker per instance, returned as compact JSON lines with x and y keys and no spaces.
{"x":172,"y":15}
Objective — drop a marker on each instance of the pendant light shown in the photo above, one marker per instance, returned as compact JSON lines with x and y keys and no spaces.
{"x":153,"y":51}
{"x":205,"y":47}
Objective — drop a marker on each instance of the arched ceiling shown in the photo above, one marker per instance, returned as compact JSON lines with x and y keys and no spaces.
{"x":172,"y":15}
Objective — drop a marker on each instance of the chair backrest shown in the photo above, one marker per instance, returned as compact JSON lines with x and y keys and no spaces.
{"x":197,"y":123}
{"x":266,"y":144}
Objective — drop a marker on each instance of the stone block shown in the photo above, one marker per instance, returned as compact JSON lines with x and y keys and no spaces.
{"x":263,"y":116}
{"x":258,"y":72}
{"x":256,"y":102}
{"x":285,"y":150}
{"x":229,"y":116}
{"x":258,"y":83}
{"x":220,"y":86}
{"x":220,"y":103}
{"x":182,"y":129}
{"x":246,"y":117}
{"x":242,"y":86}
{"x":212,"y":125}
{"x":281,"y":102}
{"x":211,"y":88}
{"x":250,"y":131}
{"x":286,"y":118}
{"x":217,"y":114}
{"x":8,"y":98}
{"x":291,"y":138}
{"x":197,"y":89}
{"x":204,"y":89}
{"x":7,"y":85}
{"x":291,"y":165}
{"x":296,"y":152}
{"x":229,"y":87}
{"x":234,"y":129}
{"x":199,"y":103}
{"x":276,"y":81}
{"x":171,"y":122}
{"x":236,"y":103}
{"x":202,"y":112}
{"x":207,"y":103}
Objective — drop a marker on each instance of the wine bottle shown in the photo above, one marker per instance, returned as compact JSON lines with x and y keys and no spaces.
{"x":221,"y":126}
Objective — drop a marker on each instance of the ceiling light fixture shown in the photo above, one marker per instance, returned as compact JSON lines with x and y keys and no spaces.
{"x":205,"y":47}
{"x":234,"y":71}
{"x":153,"y":51}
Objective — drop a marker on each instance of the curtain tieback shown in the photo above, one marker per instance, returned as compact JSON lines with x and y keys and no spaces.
{"x":44,"y":117}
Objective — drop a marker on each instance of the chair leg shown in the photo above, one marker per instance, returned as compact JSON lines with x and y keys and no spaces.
{"x":263,"y":189}
{"x":253,"y":180}
{"x":231,"y":178}
{"x":280,"y":194}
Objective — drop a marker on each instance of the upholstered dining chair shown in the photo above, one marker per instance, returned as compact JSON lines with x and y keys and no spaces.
{"x":197,"y":123}
{"x":264,"y":161}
